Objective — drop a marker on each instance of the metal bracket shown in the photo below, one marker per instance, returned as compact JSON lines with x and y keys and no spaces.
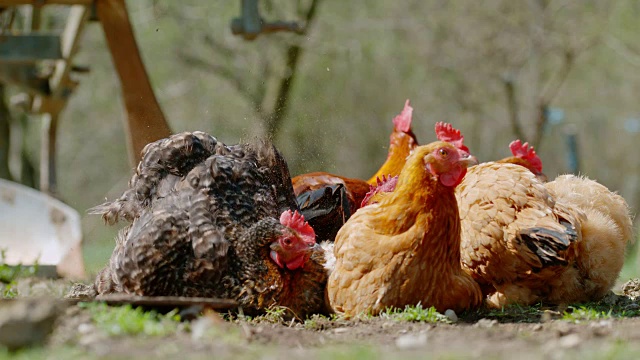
{"x":29,"y":47}
{"x":250,"y":24}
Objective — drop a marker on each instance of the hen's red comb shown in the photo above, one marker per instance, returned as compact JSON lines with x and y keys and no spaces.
{"x":526,"y":152}
{"x":387,"y":184}
{"x":402,"y":122}
{"x":446,"y":132}
{"x":295,"y":221}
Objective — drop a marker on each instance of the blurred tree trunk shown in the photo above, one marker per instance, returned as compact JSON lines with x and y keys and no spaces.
{"x":294,"y":53}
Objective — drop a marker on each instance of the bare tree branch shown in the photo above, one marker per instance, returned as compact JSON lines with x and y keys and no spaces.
{"x":551,"y":89}
{"x":294,"y":52}
{"x":261,"y":88}
{"x":217,"y":47}
{"x":219,"y":70}
{"x":5,"y":132}
{"x":512,"y":107}
{"x":256,"y":93}
{"x":549,"y":93}
{"x":311,"y":13}
{"x":624,"y":50}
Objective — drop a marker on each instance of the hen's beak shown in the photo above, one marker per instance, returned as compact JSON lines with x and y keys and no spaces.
{"x":468,"y":160}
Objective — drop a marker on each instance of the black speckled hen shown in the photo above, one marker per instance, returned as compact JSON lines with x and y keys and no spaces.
{"x":215,"y":221}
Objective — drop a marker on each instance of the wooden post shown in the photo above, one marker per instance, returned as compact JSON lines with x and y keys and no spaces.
{"x":61,"y":86}
{"x":48,"y":181}
{"x":145,"y":120}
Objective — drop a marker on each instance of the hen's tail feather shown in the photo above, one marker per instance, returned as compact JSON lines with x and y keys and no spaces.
{"x":320,"y":202}
{"x":326,"y":209}
{"x":549,"y":245}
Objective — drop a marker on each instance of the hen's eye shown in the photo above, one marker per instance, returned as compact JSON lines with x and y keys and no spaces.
{"x":287,"y":241}
{"x":443,"y":152}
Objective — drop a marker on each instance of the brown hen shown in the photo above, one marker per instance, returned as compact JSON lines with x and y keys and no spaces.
{"x":525,"y":241}
{"x":405,"y":249}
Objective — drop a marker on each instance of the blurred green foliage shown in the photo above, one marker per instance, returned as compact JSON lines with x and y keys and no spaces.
{"x":9,"y":274}
{"x":415,"y":314}
{"x":127,"y":320}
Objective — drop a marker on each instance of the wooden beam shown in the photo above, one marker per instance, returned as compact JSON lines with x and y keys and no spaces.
{"x":145,"y":120}
{"x":35,"y":18}
{"x":69,"y":46}
{"x":29,"y":47}
{"x":60,"y":84}
{"x":44,"y":2}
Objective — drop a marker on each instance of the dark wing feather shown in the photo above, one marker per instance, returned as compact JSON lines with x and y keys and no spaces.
{"x":172,"y":249}
{"x":326,"y":209}
{"x":549,"y":245}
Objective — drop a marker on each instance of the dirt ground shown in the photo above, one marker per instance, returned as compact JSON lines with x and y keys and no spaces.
{"x":375,"y":338}
{"x":522,"y":333}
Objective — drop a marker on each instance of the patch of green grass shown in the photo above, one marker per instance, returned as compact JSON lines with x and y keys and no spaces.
{"x":273,"y":315}
{"x":599,"y":310}
{"x":321,"y":322}
{"x":613,"y":306}
{"x":584,"y":313}
{"x":415,"y":314}
{"x":9,"y":274}
{"x":517,"y":313}
{"x":126,"y":320}
{"x":516,"y":309}
{"x":314,"y":323}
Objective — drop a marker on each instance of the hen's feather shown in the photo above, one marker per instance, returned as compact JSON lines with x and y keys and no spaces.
{"x":326,"y":209}
{"x":607,"y":229}
{"x":503,"y":208}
